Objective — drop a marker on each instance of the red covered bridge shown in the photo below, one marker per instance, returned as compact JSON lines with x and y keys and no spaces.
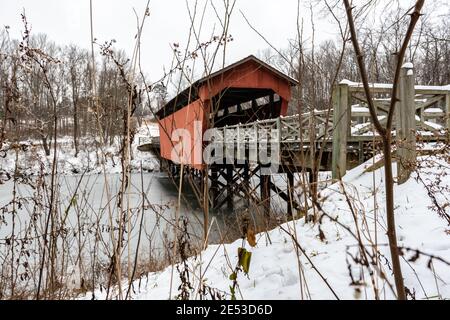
{"x":245,"y":91}
{"x":246,"y":99}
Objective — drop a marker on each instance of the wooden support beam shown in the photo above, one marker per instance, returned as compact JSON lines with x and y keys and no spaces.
{"x":340,"y":114}
{"x":348,"y":114}
{"x":271,"y":109}
{"x":246,"y":183}
{"x":406,"y":125}
{"x":360,"y":152}
{"x":222,"y":187}
{"x":265,"y":192}
{"x":429,"y":102}
{"x":229,"y":176}
{"x":379,"y":105}
{"x":236,"y":186}
{"x":214,"y":186}
{"x":254,"y":104}
{"x":226,"y":111}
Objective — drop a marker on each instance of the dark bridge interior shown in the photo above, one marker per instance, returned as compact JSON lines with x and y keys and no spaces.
{"x":242,"y":105}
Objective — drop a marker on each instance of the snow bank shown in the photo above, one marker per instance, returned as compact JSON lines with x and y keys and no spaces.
{"x":274,"y":268}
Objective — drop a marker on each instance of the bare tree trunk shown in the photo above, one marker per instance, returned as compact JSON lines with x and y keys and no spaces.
{"x":385,"y":133}
{"x":75,"y":127}
{"x":390,"y":216}
{"x":45,"y":145}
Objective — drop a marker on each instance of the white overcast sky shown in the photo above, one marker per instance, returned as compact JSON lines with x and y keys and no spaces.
{"x":67,"y":21}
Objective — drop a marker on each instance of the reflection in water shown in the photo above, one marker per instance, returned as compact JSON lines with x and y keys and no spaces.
{"x":85,"y":224}
{"x":89,"y":206}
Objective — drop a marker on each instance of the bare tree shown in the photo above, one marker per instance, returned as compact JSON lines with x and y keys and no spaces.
{"x":76,"y":60}
{"x":385,"y":132}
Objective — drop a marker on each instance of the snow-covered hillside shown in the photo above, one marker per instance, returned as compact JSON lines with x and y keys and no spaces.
{"x":274,"y":267}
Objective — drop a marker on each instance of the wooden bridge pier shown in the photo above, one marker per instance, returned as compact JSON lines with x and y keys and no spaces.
{"x":265,"y":187}
{"x":214,"y":186}
{"x":230,"y":182}
{"x":406,"y":125}
{"x":246,"y":182}
{"x":340,"y":124}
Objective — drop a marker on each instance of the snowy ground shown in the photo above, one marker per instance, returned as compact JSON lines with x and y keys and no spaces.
{"x":33,"y":159}
{"x":274,"y":267}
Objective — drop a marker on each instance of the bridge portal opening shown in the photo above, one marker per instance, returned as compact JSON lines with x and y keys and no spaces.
{"x":243,"y":105}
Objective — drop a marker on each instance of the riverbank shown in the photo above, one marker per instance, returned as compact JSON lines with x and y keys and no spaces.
{"x":300,"y":260}
{"x":91,"y":158}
